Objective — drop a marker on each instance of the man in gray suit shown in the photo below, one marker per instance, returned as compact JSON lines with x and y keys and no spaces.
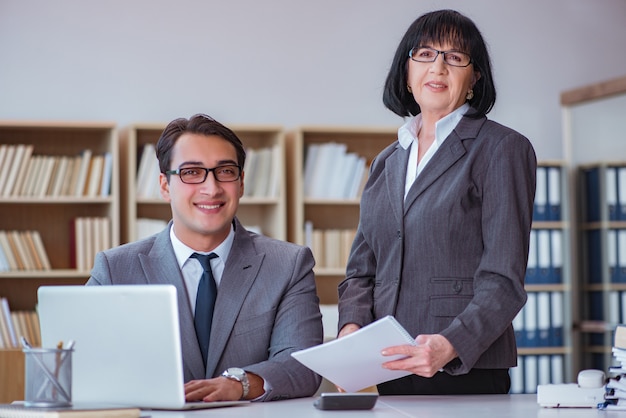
{"x":266,"y":305}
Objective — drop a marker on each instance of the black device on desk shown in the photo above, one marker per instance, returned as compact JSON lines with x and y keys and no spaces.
{"x":346,"y":401}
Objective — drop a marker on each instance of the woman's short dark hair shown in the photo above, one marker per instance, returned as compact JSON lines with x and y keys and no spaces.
{"x":197,"y":124}
{"x":439,"y":27}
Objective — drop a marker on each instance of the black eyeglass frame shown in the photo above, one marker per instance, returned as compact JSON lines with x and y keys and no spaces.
{"x":206,"y":173}
{"x":441,"y":53}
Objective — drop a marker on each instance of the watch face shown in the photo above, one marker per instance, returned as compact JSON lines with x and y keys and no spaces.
{"x":236,"y":371}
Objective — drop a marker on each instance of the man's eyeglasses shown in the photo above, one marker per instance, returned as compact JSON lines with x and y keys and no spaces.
{"x":197,"y":175}
{"x":453,"y":58}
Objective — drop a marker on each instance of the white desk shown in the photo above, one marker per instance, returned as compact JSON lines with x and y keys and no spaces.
{"x":466,"y":406}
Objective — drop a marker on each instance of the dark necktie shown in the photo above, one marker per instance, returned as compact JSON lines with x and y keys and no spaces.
{"x":205,"y":300}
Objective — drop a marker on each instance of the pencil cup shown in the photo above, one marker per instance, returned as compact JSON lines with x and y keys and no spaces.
{"x":48,"y":377}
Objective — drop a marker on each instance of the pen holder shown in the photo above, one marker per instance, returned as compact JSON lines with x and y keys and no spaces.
{"x":48,"y":377}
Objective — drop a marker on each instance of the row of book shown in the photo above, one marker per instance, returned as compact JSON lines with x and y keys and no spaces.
{"x":147,"y":180}
{"x":330,"y":247}
{"x":540,"y":323}
{"x":263,"y":172}
{"x":548,"y":194}
{"x":90,"y":235}
{"x":22,"y":250}
{"x":15,"y":324}
{"x":533,"y":370}
{"x":545,"y":257}
{"x":613,"y":247}
{"x":331,"y":172}
{"x":23,"y":173}
{"x":611,"y":180}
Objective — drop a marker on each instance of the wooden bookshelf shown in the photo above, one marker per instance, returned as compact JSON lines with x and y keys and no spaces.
{"x":327,"y":214}
{"x":266,"y":213}
{"x":52,"y":217}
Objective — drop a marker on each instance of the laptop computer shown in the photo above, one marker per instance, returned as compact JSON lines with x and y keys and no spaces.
{"x":127,"y":344}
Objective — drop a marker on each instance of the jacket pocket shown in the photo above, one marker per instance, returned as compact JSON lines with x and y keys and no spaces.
{"x":450,"y":296}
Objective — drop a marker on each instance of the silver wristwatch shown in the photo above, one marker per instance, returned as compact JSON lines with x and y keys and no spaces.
{"x":235,"y":373}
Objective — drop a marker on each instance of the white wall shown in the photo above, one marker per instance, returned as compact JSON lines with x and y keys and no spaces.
{"x":286,"y":62}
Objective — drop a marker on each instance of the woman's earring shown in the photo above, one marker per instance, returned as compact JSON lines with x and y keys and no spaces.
{"x":409,"y":88}
{"x":470,"y":94}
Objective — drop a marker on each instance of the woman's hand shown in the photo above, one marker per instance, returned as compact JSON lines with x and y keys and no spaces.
{"x":431,"y":354}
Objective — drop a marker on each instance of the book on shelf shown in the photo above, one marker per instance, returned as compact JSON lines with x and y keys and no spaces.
{"x":32,"y":176}
{"x":27,"y":238}
{"x":3,"y":163}
{"x":21,"y":174}
{"x":146,"y":227}
{"x":56,"y":177}
{"x":19,"y":410}
{"x":94,"y":177}
{"x":5,"y":246}
{"x":147,"y":181}
{"x":14,"y":324}
{"x":14,"y":250}
{"x":82,"y":172}
{"x":14,"y":169}
{"x":23,"y":250}
{"x":69,"y":181}
{"x":107,"y":174}
{"x":45,"y":176}
{"x":5,"y":170}
{"x":88,"y":235}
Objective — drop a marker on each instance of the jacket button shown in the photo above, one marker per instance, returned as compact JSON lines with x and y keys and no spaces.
{"x":458,"y":286}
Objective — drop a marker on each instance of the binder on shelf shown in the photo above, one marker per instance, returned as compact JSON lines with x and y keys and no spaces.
{"x":620,"y":277}
{"x":603,"y":191}
{"x":517,"y":377}
{"x":557,"y":321}
{"x":543,"y":369}
{"x":543,"y":256}
{"x":611,"y":254}
{"x":556,"y":369}
{"x":611,"y":193}
{"x":531,"y":268}
{"x":554,"y":193}
{"x":556,"y":256}
{"x":594,"y":255}
{"x":614,"y":308}
{"x":530,"y":320}
{"x":540,"y":207}
{"x":621,"y":193}
{"x":530,"y":374}
{"x":543,"y":319}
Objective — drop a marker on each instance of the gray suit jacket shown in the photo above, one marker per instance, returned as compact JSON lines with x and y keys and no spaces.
{"x":451,"y":259}
{"x":266,"y":308}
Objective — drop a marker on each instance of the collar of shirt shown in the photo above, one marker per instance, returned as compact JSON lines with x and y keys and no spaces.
{"x":183,"y":252}
{"x":407,"y":137}
{"x":407,"y":133}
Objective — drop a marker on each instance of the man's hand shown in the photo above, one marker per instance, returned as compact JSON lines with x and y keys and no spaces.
{"x":222,"y":389}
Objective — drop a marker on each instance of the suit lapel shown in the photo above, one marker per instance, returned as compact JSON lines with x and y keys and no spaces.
{"x":161,"y":267}
{"x":449,"y":153}
{"x":395,"y":168}
{"x":239,"y":274}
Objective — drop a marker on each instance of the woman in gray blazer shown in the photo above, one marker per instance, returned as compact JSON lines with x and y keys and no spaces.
{"x":442,"y":242}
